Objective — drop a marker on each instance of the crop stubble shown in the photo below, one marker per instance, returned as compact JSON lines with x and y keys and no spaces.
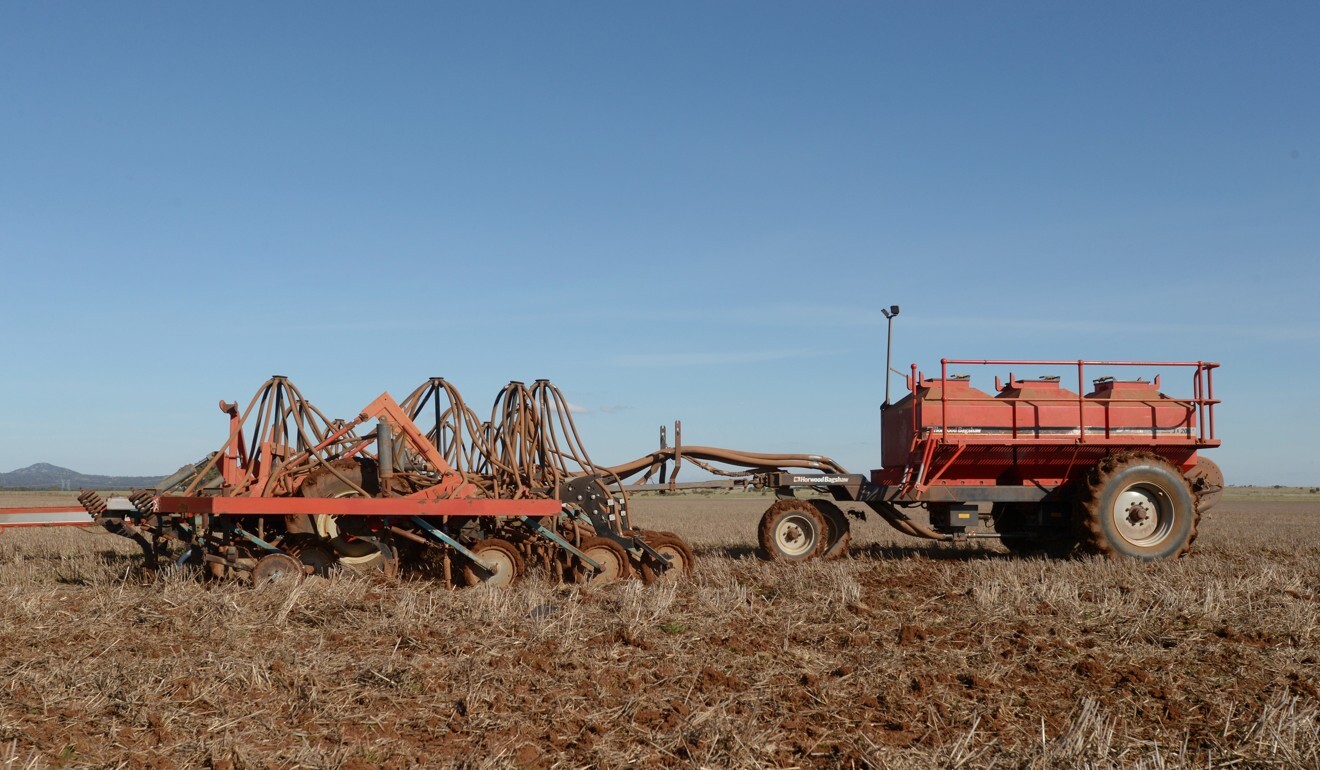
{"x":904,"y":655}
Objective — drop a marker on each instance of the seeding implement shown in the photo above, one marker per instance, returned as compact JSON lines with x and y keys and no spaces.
{"x":292,"y":492}
{"x":1114,"y":471}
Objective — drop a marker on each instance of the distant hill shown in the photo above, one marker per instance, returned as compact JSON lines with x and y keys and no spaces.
{"x":47,"y":476}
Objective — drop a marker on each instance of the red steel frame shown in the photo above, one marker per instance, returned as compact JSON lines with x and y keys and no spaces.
{"x":357,"y":506}
{"x":1203,"y":400}
{"x":925,"y":442}
{"x":451,"y":496}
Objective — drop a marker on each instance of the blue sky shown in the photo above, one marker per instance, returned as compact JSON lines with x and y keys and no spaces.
{"x":672,"y":210}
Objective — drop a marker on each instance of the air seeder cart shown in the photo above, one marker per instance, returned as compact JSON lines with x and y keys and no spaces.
{"x":1113,"y":467}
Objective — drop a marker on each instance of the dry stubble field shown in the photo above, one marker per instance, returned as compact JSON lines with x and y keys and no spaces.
{"x":903,"y":655}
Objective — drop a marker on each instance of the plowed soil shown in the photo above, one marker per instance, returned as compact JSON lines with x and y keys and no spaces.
{"x":901,"y":655}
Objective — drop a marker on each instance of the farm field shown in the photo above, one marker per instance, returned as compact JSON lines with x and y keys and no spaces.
{"x":904,"y":655}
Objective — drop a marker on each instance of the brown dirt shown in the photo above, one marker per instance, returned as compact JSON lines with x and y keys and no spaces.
{"x":903,"y":655}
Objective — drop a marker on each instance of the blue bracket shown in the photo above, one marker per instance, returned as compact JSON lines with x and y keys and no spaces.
{"x":451,"y":542}
{"x":561,"y":542}
{"x":256,"y":540}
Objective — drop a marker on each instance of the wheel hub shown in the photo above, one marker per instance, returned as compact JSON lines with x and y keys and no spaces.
{"x":1142,"y":515}
{"x":794,"y":536}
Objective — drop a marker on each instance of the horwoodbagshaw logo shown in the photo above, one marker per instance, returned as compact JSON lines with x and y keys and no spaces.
{"x":821,"y":479}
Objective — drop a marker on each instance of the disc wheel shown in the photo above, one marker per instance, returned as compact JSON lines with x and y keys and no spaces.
{"x":612,"y":558}
{"x":1137,"y":505}
{"x":506,"y":565}
{"x":791,"y":530}
{"x":837,"y":532}
{"x":277,"y":568}
{"x":676,"y":552}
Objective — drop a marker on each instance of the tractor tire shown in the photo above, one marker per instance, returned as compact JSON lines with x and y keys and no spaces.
{"x":838,"y":533}
{"x":792,"y":530}
{"x":1137,"y":505}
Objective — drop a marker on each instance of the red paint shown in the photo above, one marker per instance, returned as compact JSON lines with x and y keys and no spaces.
{"x":946,"y":432}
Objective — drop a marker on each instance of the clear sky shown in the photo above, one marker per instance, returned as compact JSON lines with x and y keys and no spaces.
{"x":673,"y":210}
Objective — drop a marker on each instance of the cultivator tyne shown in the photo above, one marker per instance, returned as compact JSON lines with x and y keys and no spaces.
{"x":423,"y":485}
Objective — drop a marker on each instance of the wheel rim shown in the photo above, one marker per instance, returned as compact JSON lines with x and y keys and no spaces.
{"x":678,"y":568}
{"x":610,"y":566}
{"x":1142,"y":515}
{"x":795,"y":535}
{"x":677,"y":561}
{"x":503,"y":568}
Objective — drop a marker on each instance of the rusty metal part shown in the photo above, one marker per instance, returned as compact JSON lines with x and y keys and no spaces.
{"x":611,"y":557}
{"x":346,"y":493}
{"x":677,"y":556}
{"x":1207,"y":482}
{"x":277,"y":568}
{"x":504,"y":564}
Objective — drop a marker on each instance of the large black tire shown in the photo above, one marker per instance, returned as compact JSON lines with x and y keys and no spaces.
{"x":1137,"y":505}
{"x":792,"y":530}
{"x":838,"y":533}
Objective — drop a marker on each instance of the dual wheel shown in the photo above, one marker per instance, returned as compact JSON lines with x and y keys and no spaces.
{"x":797,"y":530}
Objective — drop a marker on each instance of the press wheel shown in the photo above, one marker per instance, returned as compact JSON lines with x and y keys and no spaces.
{"x":506,"y":565}
{"x":612,"y":557}
{"x":681,"y":560}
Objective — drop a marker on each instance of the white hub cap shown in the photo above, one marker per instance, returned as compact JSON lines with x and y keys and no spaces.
{"x":795,"y":535}
{"x":1142,"y":515}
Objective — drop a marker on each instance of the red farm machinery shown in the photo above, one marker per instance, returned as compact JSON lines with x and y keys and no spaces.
{"x":1111,"y":467}
{"x":292,"y":492}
